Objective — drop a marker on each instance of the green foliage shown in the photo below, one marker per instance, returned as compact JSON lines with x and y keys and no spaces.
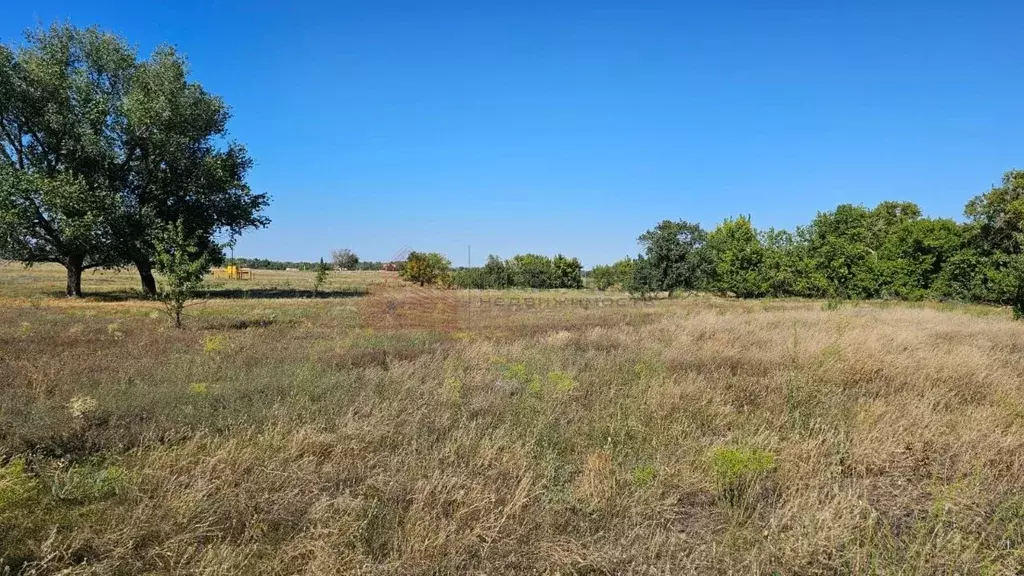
{"x":643,"y":279}
{"x":738,"y":258}
{"x":473,"y":278}
{"x":604,"y":277}
{"x":531,"y":271}
{"x":522,"y":271}
{"x":999,"y":215}
{"x":16,"y":486}
{"x":60,"y":93}
{"x":320,"y":276}
{"x":184,"y":263}
{"x":566,"y":272}
{"x":889,"y":251}
{"x":497,"y":272}
{"x":100,"y":151}
{"x":427,"y":268}
{"x":674,"y":254}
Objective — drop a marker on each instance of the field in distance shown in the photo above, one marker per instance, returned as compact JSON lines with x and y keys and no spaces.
{"x":385,"y":429}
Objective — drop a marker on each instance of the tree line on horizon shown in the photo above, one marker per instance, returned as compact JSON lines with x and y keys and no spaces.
{"x":891,"y":251}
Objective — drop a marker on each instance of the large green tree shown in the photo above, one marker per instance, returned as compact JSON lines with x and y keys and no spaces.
{"x":99,"y":150}
{"x":59,"y":136}
{"x":173,"y":169}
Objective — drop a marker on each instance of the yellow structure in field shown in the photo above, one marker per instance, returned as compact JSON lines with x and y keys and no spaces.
{"x":233,"y":272}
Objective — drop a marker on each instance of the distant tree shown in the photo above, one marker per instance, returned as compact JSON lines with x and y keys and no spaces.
{"x":913,"y":255}
{"x":602,"y":277}
{"x":788,"y":269}
{"x":998,"y":216}
{"x":426,"y":268}
{"x":567,"y":272}
{"x":472,"y":278}
{"x":644,"y":279}
{"x":738,"y":258}
{"x":673,"y":252}
{"x":532,"y":271}
{"x":841,"y":247}
{"x":497,"y":272}
{"x":344,"y":259}
{"x":184,"y":262}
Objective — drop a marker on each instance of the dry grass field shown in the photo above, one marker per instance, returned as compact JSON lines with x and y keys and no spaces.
{"x":382,"y":429}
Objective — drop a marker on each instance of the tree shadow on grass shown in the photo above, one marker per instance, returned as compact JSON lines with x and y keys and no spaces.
{"x":279,"y":293}
{"x":224,"y":294}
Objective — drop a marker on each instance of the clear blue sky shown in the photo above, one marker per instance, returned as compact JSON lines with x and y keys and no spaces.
{"x":574,"y":126}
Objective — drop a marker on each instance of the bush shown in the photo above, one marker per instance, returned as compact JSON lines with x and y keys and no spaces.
{"x":643,"y":279}
{"x":427,"y":268}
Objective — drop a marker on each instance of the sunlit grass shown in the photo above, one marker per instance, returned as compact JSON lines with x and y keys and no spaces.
{"x":291,"y":434}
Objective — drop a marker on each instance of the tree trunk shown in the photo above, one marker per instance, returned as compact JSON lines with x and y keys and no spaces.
{"x":146,"y":276}
{"x":74,"y":266}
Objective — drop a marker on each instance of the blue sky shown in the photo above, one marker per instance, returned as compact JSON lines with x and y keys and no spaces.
{"x":574,"y":126}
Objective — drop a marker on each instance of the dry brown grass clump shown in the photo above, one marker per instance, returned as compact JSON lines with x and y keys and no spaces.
{"x":291,"y":436}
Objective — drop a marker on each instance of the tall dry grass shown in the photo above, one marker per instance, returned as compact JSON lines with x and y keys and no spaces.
{"x":290,"y":436}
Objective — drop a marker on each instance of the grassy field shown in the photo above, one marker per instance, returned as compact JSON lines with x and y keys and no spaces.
{"x":384,"y":429}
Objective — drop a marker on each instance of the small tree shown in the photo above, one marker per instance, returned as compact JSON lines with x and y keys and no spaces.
{"x":344,"y":259}
{"x":184,"y":261}
{"x":643,"y":279}
{"x":606,"y":276}
{"x":602,"y":276}
{"x":674,"y":253}
{"x":320,"y":277}
{"x":566,"y":272}
{"x":426,"y":268}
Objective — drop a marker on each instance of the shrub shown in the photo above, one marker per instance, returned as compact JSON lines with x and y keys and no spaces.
{"x":643,"y":279}
{"x":426,"y":268}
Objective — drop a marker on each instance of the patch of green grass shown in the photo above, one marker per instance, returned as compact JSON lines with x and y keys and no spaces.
{"x":739,"y":472}
{"x":16,"y":486}
{"x":643,"y":475}
{"x":88,"y":482}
